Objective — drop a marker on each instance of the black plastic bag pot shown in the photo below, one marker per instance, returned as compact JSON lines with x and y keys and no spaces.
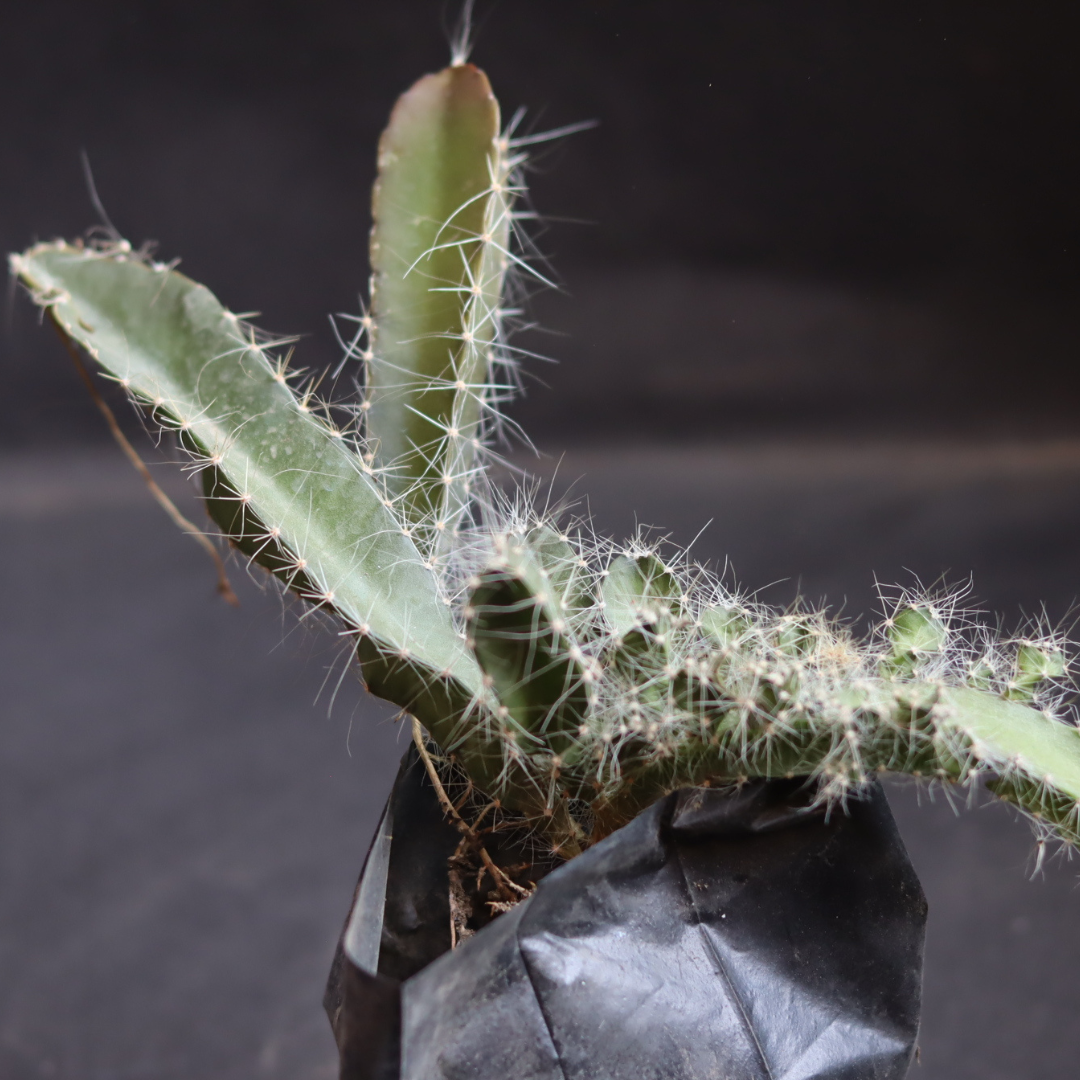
{"x":728,"y":936}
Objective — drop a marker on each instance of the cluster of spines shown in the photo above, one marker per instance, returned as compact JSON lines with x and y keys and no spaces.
{"x":615,"y":674}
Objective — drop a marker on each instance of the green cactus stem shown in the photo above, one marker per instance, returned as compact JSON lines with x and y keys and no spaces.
{"x":914,"y":633}
{"x":439,"y":252}
{"x":522,"y":642}
{"x":573,"y":681}
{"x":284,"y":485}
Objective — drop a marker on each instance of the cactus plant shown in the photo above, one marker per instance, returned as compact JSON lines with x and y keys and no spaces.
{"x":573,"y":680}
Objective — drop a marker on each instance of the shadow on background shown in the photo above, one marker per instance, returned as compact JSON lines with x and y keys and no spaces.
{"x":827,"y":301}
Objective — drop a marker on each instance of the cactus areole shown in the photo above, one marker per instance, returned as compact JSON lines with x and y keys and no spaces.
{"x":639,"y":833}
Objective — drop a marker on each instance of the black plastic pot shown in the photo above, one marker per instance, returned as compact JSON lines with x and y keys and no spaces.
{"x":722,"y":936}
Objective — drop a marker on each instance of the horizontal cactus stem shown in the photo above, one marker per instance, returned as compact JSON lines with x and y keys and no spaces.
{"x":1052,"y":809}
{"x":931,"y":731}
{"x":1036,"y":758}
{"x":1012,"y":734}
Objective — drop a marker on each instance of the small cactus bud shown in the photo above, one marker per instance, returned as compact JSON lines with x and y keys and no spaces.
{"x":915,"y":633}
{"x":724,"y":625}
{"x":1035,"y":664}
{"x":980,"y":673}
{"x":795,"y":637}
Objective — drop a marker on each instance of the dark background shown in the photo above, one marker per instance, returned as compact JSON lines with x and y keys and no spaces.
{"x":906,"y":171}
{"x":825,"y":296}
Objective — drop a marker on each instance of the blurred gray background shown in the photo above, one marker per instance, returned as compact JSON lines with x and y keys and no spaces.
{"x":825,"y":298}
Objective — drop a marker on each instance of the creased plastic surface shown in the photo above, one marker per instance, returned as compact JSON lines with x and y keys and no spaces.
{"x":733,"y":937}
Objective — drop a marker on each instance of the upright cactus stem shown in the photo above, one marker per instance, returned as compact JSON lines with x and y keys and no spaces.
{"x":574,"y":682}
{"x":439,"y":255}
{"x":522,"y":641}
